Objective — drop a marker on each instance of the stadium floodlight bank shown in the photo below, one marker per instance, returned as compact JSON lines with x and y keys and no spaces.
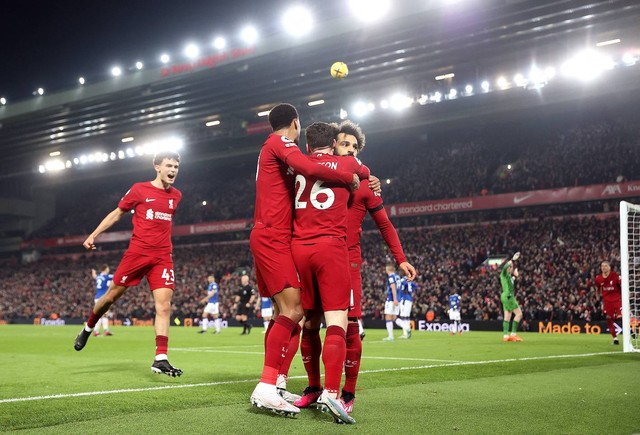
{"x":630,"y":271}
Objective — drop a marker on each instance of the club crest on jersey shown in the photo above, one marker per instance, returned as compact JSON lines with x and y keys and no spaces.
{"x":171,"y":204}
{"x":287,"y":142}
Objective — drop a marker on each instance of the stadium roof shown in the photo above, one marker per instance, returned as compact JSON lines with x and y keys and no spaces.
{"x":477,"y":41}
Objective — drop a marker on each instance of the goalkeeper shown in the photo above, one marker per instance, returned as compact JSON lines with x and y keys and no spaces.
{"x":509,"y":304}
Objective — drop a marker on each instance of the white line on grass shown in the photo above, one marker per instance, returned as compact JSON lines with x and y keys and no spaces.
{"x":218,"y":350}
{"x":210,"y":384}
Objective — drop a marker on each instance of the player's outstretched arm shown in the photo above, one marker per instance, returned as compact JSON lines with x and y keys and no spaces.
{"x":301,"y":163}
{"x":390,"y":236}
{"x":106,"y":223}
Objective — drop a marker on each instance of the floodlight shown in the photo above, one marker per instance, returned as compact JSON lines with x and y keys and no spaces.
{"x":40,"y":91}
{"x":502,"y":82}
{"x":249,"y":34}
{"x":165,"y":58}
{"x":81,"y":80}
{"x":343,"y":114}
{"x":485,"y":86}
{"x":54,"y":165}
{"x":519,"y":80}
{"x":453,"y":93}
{"x":116,"y":71}
{"x":400,"y":102}
{"x":139,"y":65}
{"x":468,"y":89}
{"x":360,"y":109}
{"x":369,"y":10}
{"x":315,"y":103}
{"x":212,"y":123}
{"x":219,"y":43}
{"x":587,"y":65}
{"x":297,"y":21}
{"x":628,"y":59}
{"x":192,"y":51}
{"x":3,"y":101}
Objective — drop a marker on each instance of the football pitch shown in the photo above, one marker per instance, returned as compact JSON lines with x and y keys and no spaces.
{"x":434,"y":383}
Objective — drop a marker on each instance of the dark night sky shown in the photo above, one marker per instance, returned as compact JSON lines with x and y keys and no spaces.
{"x":51,"y":43}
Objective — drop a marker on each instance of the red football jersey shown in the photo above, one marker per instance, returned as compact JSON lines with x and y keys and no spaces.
{"x":153,"y":213}
{"x":610,"y":287}
{"x":274,"y":180}
{"x":363,"y":200}
{"x":321,"y":206}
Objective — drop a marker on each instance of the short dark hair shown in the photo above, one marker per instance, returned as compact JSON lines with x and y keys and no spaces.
{"x":104,"y":267}
{"x":281,"y":115}
{"x":350,"y":127}
{"x":169,"y":155}
{"x":320,"y":135}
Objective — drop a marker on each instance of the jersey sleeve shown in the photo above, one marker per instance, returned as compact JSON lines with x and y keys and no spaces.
{"x":389,"y":233}
{"x":130,"y":199}
{"x":301,"y":163}
{"x":356,"y":166}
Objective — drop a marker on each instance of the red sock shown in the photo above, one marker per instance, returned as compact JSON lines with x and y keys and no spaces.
{"x":93,"y":319}
{"x":311,"y":349}
{"x":276,"y":348}
{"x":612,"y":327}
{"x":162,"y":343}
{"x":333,"y":355}
{"x":294,"y":343}
{"x":352,"y":360}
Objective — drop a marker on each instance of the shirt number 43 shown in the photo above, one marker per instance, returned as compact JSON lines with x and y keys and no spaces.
{"x":167,"y":275}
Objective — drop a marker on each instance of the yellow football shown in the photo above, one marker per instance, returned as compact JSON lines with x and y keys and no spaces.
{"x":339,"y":70}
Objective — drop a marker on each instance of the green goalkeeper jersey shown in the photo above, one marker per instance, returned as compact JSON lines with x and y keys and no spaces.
{"x":508,"y":289}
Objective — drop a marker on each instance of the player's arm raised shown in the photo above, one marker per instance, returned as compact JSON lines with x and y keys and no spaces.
{"x":103,"y":226}
{"x":301,"y":163}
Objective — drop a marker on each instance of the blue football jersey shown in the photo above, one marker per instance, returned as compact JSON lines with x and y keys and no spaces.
{"x":213,"y":287}
{"x":454,"y":302}
{"x":393,"y":279}
{"x":408,"y":288}
{"x":103,"y":281}
{"x":266,"y":303}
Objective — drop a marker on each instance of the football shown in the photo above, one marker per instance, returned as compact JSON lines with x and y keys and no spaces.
{"x":339,"y":70}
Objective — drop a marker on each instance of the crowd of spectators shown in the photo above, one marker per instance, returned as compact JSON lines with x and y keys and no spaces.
{"x":489,"y":160}
{"x":560,"y":258}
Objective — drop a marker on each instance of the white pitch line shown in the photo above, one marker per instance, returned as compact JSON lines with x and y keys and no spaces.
{"x":210,"y":350}
{"x":363,"y":372}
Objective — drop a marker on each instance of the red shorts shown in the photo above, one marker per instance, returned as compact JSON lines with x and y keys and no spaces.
{"x":133,"y":267}
{"x":324,"y":275}
{"x":356,"y":290}
{"x":613,"y":309}
{"x":274,"y":267}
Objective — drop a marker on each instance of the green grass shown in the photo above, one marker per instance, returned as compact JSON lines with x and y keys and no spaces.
{"x":434,"y":383}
